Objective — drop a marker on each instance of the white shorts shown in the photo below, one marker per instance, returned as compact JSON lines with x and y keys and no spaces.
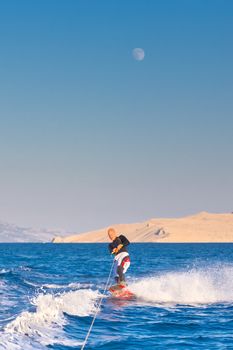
{"x":118,"y":260}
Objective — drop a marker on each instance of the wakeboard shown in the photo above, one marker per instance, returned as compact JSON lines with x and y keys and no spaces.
{"x":119,"y":291}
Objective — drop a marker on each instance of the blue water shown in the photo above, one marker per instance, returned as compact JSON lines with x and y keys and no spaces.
{"x":49,"y":293}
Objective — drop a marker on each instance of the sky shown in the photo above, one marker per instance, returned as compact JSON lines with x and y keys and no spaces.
{"x":91,"y":137}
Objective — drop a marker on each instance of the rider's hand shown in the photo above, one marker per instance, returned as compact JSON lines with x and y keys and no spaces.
{"x":114,"y":251}
{"x":119,"y":247}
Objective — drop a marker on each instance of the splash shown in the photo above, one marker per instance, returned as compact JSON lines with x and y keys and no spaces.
{"x":195,"y":286}
{"x":45,"y":325}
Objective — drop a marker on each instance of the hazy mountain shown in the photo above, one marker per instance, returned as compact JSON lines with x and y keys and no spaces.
{"x":14,"y":233}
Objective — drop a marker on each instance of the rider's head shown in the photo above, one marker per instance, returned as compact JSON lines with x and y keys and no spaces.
{"x":112,"y":233}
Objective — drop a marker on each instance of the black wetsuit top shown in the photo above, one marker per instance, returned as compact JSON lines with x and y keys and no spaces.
{"x":119,"y":240}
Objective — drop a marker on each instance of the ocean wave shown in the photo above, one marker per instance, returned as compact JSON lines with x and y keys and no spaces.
{"x":191,"y":287}
{"x":13,"y":343}
{"x":25,"y":268}
{"x":72,"y":285}
{"x":14,"y":272}
{"x":10,"y":342}
{"x":45,"y":325}
{"x":4,"y":271}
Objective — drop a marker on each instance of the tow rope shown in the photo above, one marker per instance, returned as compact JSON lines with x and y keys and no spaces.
{"x":98,"y":308}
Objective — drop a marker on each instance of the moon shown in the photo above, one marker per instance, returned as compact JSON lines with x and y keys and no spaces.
{"x":138,"y":54}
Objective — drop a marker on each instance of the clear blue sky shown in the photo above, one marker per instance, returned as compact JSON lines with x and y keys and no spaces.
{"x":91,"y":137}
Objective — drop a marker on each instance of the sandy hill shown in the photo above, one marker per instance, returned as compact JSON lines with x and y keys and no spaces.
{"x":202,"y":227}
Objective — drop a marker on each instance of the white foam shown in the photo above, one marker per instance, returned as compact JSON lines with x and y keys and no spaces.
{"x":45,"y":325}
{"x":196,"y":286}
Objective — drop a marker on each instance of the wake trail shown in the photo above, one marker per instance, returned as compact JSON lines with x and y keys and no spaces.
{"x":191,"y":287}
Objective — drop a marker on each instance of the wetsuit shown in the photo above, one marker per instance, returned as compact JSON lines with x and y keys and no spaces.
{"x":122,"y":260}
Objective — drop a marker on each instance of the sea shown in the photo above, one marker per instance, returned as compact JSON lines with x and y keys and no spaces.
{"x":50,"y":293}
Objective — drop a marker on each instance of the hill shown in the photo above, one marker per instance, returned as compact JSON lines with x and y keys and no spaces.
{"x":202,"y":227}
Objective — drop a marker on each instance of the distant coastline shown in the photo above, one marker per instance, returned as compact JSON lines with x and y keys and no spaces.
{"x":203,"y":227}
